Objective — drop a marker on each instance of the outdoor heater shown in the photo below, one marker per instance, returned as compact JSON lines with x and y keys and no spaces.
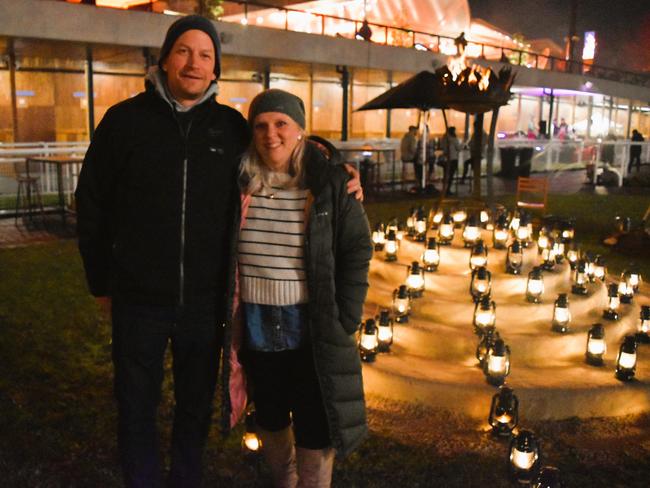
{"x":514,"y":258}
{"x":626,"y":360}
{"x":415,"y":280}
{"x":431,"y":255}
{"x":504,"y":411}
{"x":481,"y":284}
{"x":580,"y":278}
{"x":484,"y":314}
{"x":500,"y":233}
{"x":379,"y":237}
{"x":596,"y":345}
{"x":643,"y":334}
{"x":401,"y":304}
{"x":391,"y":246}
{"x":535,"y":285}
{"x":446,"y":230}
{"x":472,"y":231}
{"x":490,"y":335}
{"x":613,"y":302}
{"x":478,"y":255}
{"x":384,"y":331}
{"x":561,"y":314}
{"x":251,"y":443}
{"x":420,"y":226}
{"x":548,"y":477}
{"x":524,"y":457}
{"x":600,"y":270}
{"x":497,"y":363}
{"x":368,"y":341}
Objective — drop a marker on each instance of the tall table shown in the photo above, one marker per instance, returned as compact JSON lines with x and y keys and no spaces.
{"x":59,"y":162}
{"x":383,"y":156}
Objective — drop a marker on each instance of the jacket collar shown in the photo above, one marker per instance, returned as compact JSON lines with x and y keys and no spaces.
{"x":317,"y":169}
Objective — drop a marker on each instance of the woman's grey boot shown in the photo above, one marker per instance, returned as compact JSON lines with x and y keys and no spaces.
{"x":280,"y":455}
{"x":314,"y":467}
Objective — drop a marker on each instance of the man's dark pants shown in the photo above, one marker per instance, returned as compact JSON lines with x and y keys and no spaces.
{"x":140,"y":337}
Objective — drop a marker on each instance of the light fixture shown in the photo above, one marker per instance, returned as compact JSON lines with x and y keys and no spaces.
{"x":410,"y":223}
{"x":580,"y":278}
{"x":478,"y":255}
{"x":515,"y":220}
{"x":596,"y":345}
{"x":634,"y":278}
{"x":497,"y":363}
{"x":384,"y":331}
{"x":484,"y":314}
{"x":391,"y":246}
{"x":459,"y":215}
{"x":567,"y":230}
{"x":535,"y":285}
{"x":420,"y":225}
{"x":600,"y":270}
{"x":524,"y":457}
{"x":514,"y":258}
{"x":613,"y":302}
{"x":548,"y":258}
{"x":401,"y":304}
{"x":446,"y":230}
{"x":431,"y":255}
{"x":490,"y":335}
{"x":543,"y":240}
{"x":481,"y":283}
{"x":504,"y":411}
{"x":561,"y":314}
{"x":415,"y":280}
{"x":251,"y":443}
{"x":437,"y":219}
{"x":484,"y":217}
{"x":626,"y":286}
{"x":590,"y":266}
{"x":500,"y":233}
{"x":643,"y":329}
{"x":379,"y":237}
{"x":558,"y":250}
{"x":368,"y":341}
{"x":524,"y":231}
{"x":572,"y":255}
{"x":472,"y":231}
{"x":626,"y":360}
{"x":548,"y":477}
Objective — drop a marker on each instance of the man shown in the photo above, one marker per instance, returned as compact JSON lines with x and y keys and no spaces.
{"x":468,"y":162}
{"x":156,"y":198}
{"x":635,"y":151}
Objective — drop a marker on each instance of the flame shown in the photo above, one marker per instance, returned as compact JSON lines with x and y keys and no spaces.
{"x":484,"y":83}
{"x":456,"y":66}
{"x":471,"y":79}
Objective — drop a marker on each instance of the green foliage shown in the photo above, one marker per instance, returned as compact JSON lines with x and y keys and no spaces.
{"x":213,"y":9}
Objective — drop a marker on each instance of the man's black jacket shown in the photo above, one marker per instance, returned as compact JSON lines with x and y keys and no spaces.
{"x":155,"y":200}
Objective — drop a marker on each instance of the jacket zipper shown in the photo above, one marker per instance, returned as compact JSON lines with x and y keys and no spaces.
{"x":181,"y":273}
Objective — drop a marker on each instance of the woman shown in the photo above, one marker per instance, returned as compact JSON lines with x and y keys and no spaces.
{"x":304,"y":248}
{"x":451,"y":147}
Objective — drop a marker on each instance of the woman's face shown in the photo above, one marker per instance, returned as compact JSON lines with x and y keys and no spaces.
{"x":275,"y":136}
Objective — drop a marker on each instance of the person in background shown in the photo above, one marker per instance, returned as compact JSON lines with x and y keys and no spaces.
{"x":409,"y":144}
{"x":450,"y":146}
{"x":468,"y":162}
{"x":635,"y":151}
{"x":304,"y":250}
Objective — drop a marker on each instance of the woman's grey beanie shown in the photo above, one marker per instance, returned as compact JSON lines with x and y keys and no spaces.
{"x":275,"y":100}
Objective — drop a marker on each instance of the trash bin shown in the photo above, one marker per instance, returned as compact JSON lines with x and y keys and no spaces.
{"x":508,"y":156}
{"x":525,"y":161}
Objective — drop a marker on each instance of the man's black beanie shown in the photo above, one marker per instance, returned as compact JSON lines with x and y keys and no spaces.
{"x":188,"y":23}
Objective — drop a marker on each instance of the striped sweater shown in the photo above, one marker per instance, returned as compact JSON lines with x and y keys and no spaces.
{"x":271,"y":246}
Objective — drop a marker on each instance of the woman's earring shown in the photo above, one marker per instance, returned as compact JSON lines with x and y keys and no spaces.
{"x":300,"y":137}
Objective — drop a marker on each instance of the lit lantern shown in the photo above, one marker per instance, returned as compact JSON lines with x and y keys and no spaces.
{"x":410,"y":223}
{"x":514,"y":258}
{"x":459,"y":216}
{"x":251,"y":443}
{"x":379,"y":237}
{"x":525,"y":230}
{"x":580,"y":278}
{"x":567,"y":231}
{"x":613,"y":302}
{"x":478,"y":255}
{"x":415,"y":280}
{"x":420,"y":225}
{"x":626,"y":360}
{"x":524,"y":457}
{"x":548,"y":258}
{"x":626,"y":286}
{"x":561,"y":314}
{"x":368,"y":341}
{"x":401,"y":304}
{"x":472,"y":231}
{"x":596,"y":345}
{"x":500,"y":233}
{"x":600,"y":270}
{"x":391,"y":246}
{"x":484,"y":314}
{"x":384,"y":331}
{"x":543,"y":240}
{"x":643,"y":328}
{"x":634,"y":279}
{"x":548,"y":477}
{"x":484,"y":217}
{"x":558,"y":250}
{"x":590,"y":266}
{"x":497,"y":363}
{"x":535,"y":285}
{"x":504,"y":411}
{"x":572,"y":255}
{"x":431,"y":255}
{"x":437,"y":218}
{"x":446,"y":230}
{"x":481,"y":284}
{"x":490,"y":335}
{"x":515,"y":220}
{"x":395,"y":226}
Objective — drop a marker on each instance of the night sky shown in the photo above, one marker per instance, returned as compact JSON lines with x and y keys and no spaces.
{"x":622,"y":26}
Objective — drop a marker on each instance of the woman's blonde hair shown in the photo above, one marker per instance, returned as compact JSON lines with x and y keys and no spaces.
{"x":256,"y":173}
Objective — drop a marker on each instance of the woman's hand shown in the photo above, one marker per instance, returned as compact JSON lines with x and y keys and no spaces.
{"x":354,"y":185}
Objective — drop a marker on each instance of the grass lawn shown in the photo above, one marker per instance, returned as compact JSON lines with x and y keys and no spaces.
{"x":57,"y":414}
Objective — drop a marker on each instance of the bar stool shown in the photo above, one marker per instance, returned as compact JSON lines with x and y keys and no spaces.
{"x":27,"y":185}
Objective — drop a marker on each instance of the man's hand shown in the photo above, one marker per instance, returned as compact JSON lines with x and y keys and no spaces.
{"x":105,"y":305}
{"x":354,"y":185}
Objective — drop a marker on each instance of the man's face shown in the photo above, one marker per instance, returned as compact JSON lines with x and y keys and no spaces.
{"x":190,"y":66}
